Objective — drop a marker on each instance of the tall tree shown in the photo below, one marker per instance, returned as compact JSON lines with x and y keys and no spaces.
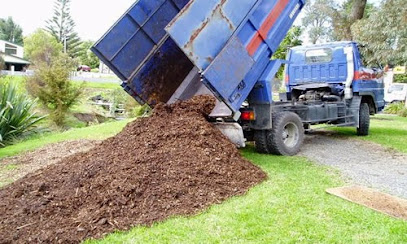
{"x":10,"y":31}
{"x":41,"y":47}
{"x":384,"y":34}
{"x":62,"y":27}
{"x":345,"y":16}
{"x":318,"y":19}
{"x":87,"y":57}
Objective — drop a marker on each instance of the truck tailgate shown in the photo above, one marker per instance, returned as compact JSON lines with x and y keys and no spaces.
{"x":138,"y":50}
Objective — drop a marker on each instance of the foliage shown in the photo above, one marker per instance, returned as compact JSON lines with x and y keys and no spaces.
{"x":292,"y":39}
{"x":10,"y":31}
{"x":347,"y":15}
{"x":400,"y":78}
{"x":61,"y":26}
{"x":403,"y":112}
{"x":86,"y":56}
{"x":384,"y":34}
{"x":318,"y":19}
{"x":16,"y":113}
{"x":325,"y":20}
{"x":398,"y":108}
{"x":41,"y":47}
{"x":120,"y":99}
{"x":394,"y":108}
{"x":140,"y":111}
{"x":51,"y":84}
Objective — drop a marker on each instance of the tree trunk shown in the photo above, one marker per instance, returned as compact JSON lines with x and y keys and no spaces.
{"x":358,"y":10}
{"x":342,"y":23}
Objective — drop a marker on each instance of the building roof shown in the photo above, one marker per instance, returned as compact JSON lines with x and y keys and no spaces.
{"x":11,"y":43}
{"x":14,"y":60}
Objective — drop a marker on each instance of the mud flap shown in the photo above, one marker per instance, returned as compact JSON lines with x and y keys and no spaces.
{"x":354,"y":109}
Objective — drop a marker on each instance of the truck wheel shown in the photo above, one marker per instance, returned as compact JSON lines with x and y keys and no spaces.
{"x":364,"y":120}
{"x":260,"y":140}
{"x":287,"y":134}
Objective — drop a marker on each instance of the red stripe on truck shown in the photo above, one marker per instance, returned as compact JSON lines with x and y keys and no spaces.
{"x":363,"y":75}
{"x":262,"y":33}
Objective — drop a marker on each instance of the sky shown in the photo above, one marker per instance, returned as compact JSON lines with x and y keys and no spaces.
{"x":92,"y":17}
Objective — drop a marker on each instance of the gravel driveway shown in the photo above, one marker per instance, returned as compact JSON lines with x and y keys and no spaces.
{"x":362,"y":162}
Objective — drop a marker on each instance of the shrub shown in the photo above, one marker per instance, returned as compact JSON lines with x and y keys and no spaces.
{"x":397,"y":108}
{"x":52,"y":85}
{"x":141,"y":111}
{"x":403,"y":112}
{"x":400,"y":78}
{"x":41,"y":47}
{"x":16,"y":114}
{"x":394,"y":108}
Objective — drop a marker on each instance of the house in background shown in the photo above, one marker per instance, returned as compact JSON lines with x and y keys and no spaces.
{"x":13,"y":56}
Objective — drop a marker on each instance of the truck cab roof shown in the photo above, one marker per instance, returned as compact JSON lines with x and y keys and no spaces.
{"x":324,"y":45}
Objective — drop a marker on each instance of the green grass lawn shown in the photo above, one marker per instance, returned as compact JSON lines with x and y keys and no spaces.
{"x":290,"y":207}
{"x":389,"y":131}
{"x":100,"y":85}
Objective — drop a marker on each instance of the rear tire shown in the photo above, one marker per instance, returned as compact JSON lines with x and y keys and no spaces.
{"x":287,"y":134}
{"x":260,"y":140}
{"x":364,"y":120}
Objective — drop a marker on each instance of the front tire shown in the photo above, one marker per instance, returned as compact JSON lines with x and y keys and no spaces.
{"x":287,"y":134}
{"x":364,"y":120}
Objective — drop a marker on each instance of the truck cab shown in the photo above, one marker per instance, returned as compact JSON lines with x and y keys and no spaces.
{"x":337,"y":65}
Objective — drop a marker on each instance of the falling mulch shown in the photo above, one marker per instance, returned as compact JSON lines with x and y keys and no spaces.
{"x":40,"y":158}
{"x":378,"y":201}
{"x":172,"y":163}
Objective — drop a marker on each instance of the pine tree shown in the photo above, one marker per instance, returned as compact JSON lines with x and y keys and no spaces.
{"x":62,"y":26}
{"x":10,"y":31}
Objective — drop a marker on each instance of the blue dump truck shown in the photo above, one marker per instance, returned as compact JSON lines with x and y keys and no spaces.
{"x":171,"y":50}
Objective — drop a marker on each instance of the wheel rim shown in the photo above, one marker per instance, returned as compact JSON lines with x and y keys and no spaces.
{"x":291,"y":134}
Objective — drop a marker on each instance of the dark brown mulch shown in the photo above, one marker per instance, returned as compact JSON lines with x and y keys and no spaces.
{"x":173,"y":163}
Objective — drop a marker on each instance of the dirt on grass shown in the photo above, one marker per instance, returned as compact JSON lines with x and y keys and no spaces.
{"x":381,"y":202}
{"x":18,"y":166}
{"x":172,"y":163}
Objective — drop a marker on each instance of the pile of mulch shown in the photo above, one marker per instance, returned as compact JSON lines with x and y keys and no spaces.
{"x":172,"y":163}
